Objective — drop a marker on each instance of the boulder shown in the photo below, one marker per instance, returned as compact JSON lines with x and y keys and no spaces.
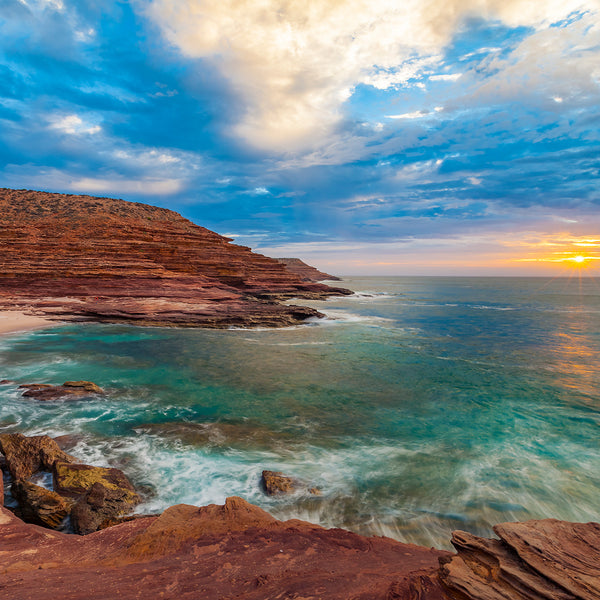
{"x":100,"y":508}
{"x":102,"y":494}
{"x":70,"y":390}
{"x":28,"y":455}
{"x":75,"y":480}
{"x":40,"y":506}
{"x":275,"y":483}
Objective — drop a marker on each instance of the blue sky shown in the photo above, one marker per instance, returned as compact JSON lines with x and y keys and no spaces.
{"x":454,"y":137}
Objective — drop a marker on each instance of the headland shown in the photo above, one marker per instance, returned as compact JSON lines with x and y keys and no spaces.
{"x":71,"y":257}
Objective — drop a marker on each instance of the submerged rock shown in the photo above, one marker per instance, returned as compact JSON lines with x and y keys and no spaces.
{"x":40,"y":506}
{"x":70,"y":390}
{"x":28,"y":455}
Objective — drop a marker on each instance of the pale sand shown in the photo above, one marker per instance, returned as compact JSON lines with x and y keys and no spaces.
{"x":12,"y":321}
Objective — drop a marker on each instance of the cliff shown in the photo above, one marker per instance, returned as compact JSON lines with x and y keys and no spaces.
{"x":81,"y":257}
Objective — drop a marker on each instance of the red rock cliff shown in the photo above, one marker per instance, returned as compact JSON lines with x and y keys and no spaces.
{"x":111,"y":260}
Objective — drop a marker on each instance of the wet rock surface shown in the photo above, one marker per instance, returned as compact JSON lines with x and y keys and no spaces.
{"x":275,"y":483}
{"x":76,"y":257}
{"x":70,"y":390}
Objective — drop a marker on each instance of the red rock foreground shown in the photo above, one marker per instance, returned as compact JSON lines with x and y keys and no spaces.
{"x":86,"y":258}
{"x":240,"y":551}
{"x":215,"y":552}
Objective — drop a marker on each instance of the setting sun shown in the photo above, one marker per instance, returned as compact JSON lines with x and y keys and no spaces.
{"x":579,"y":259}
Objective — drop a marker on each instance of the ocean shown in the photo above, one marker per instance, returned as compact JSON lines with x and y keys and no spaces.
{"x":419,"y":406}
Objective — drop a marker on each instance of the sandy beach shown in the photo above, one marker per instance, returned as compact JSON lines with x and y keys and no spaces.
{"x":12,"y":321}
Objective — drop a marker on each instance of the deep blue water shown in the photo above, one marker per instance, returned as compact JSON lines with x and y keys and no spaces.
{"x":419,"y":406}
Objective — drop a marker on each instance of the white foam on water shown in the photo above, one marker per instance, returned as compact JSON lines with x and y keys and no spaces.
{"x":335,"y":317}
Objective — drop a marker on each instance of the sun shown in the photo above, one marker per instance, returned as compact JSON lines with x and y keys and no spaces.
{"x":579,"y":259}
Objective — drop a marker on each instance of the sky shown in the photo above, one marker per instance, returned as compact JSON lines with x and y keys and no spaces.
{"x":375,"y":137}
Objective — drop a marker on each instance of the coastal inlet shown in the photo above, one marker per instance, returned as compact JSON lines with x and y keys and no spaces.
{"x":417,"y":407}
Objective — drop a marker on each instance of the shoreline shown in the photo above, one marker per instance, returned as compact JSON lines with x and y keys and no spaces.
{"x":15,"y":321}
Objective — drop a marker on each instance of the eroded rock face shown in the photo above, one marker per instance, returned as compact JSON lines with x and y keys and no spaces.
{"x":70,"y":390}
{"x":27,"y":455}
{"x":86,"y":258}
{"x":536,"y":560}
{"x":39,"y":505}
{"x":100,"y":507}
{"x":231,"y":551}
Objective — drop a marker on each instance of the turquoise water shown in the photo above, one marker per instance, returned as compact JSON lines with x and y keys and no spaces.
{"x":419,"y":406}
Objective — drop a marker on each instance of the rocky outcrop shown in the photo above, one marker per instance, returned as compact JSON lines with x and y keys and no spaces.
{"x":306,"y":272}
{"x":536,"y":560}
{"x":234,"y":550}
{"x":100,"y":507}
{"x":103,"y":494}
{"x":85,"y":258}
{"x":39,"y":505}
{"x":94,"y":497}
{"x":69,"y":390}
{"x":25,"y":456}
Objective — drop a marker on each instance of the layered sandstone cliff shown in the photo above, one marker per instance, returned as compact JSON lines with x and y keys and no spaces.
{"x":109,"y":260}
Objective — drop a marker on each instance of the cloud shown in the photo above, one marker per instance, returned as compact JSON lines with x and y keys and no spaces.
{"x":73,"y":125}
{"x":116,"y":185}
{"x":296,"y":63}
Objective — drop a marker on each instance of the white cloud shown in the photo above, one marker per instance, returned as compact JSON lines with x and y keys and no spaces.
{"x":147,"y":187}
{"x":553,"y":65}
{"x":445,"y":77}
{"x":295,"y":63}
{"x":417,"y":114}
{"x":73,"y":125}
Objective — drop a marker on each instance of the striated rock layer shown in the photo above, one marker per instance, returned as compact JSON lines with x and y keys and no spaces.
{"x":215,"y":552}
{"x":306,"y":272}
{"x":535,"y":560}
{"x":87,"y":258}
